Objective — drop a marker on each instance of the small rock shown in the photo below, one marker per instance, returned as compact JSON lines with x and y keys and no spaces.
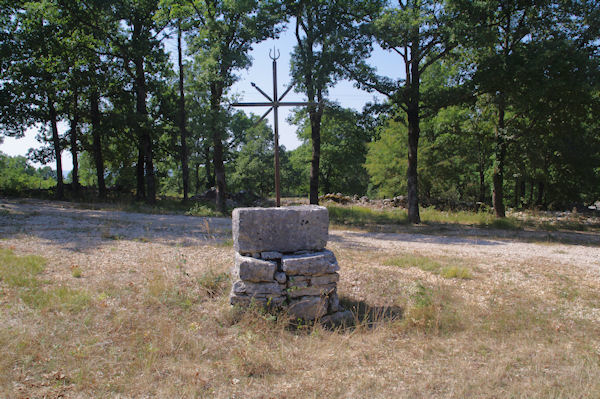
{"x":271,"y":255}
{"x":280,"y":277}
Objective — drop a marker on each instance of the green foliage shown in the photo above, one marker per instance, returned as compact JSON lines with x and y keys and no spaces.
{"x":344,"y":137}
{"x":429,"y":311}
{"x":254,"y":168}
{"x":513,"y":100}
{"x":386,"y":161}
{"x":17,"y":175}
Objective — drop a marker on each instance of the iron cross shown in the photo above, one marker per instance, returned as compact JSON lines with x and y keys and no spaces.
{"x":274,"y":103}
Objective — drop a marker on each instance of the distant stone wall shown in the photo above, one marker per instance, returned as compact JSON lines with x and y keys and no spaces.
{"x":281,"y":262}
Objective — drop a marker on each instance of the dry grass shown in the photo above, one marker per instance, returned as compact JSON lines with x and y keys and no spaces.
{"x":159,"y":325}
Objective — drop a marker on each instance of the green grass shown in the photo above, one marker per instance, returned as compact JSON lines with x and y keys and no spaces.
{"x":429,"y":311}
{"x":360,"y":215}
{"x":363,"y":216}
{"x":76,"y":271}
{"x":422,"y":262}
{"x":205,"y":210}
{"x":58,"y":298}
{"x":456,"y":272}
{"x":20,"y":271}
{"x":429,"y":265}
{"x":213,"y":283}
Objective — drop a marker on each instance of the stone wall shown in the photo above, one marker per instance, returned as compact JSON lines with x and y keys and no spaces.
{"x":281,"y":262}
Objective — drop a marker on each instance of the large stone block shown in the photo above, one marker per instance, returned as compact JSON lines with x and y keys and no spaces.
{"x":310,"y":264}
{"x":256,"y":270}
{"x":295,"y":292}
{"x":286,"y":229}
{"x":257,"y":289}
{"x":325,"y":279}
{"x":308,"y":308}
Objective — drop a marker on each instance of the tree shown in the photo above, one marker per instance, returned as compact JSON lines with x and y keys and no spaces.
{"x":422,"y":33}
{"x":316,"y":59}
{"x":386,"y":170}
{"x":344,"y":137}
{"x":35,"y":76}
{"x":253,"y":166}
{"x":220,"y":34}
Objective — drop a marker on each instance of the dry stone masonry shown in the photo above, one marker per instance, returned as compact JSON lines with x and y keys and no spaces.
{"x":281,"y":261}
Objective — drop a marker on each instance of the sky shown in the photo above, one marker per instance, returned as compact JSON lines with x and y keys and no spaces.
{"x":344,"y":93}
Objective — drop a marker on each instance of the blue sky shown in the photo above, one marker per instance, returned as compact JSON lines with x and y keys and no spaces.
{"x":260,"y":72}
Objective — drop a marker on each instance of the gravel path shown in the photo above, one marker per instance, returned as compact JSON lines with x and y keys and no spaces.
{"x":62,"y":224}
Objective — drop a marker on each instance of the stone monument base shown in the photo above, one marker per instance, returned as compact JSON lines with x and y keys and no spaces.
{"x":281,"y":262}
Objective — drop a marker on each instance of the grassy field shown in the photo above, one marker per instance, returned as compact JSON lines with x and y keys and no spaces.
{"x":426,"y":326}
{"x":363,"y":216}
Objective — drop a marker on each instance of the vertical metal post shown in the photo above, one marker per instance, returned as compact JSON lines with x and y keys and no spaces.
{"x":274,"y":103}
{"x":275,"y":107}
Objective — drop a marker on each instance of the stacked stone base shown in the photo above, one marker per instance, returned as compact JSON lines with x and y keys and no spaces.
{"x":305,"y":283}
{"x":295,"y":273}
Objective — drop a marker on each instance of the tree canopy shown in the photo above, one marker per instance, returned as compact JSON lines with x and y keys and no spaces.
{"x":491,"y":102}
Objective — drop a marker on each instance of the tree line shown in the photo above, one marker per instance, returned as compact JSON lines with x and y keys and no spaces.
{"x":492,"y":101}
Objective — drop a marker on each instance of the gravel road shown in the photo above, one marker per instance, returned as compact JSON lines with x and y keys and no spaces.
{"x":64,"y":225}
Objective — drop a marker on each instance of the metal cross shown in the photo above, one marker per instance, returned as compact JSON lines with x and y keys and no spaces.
{"x":274,"y":103}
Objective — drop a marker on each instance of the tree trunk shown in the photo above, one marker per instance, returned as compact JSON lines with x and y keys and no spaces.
{"x":197,"y":176}
{"x":414,"y":131}
{"x":411,"y":173}
{"x":517,"y":192}
{"x":60,"y":189}
{"x":210,"y":179}
{"x":74,"y":138}
{"x":481,"y":169}
{"x":540,"y":194}
{"x":140,"y":192}
{"x":97,"y":143}
{"x":182,"y":128}
{"x":498,"y":174}
{"x":315,"y":135}
{"x":215,"y":106}
{"x":144,"y":134}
